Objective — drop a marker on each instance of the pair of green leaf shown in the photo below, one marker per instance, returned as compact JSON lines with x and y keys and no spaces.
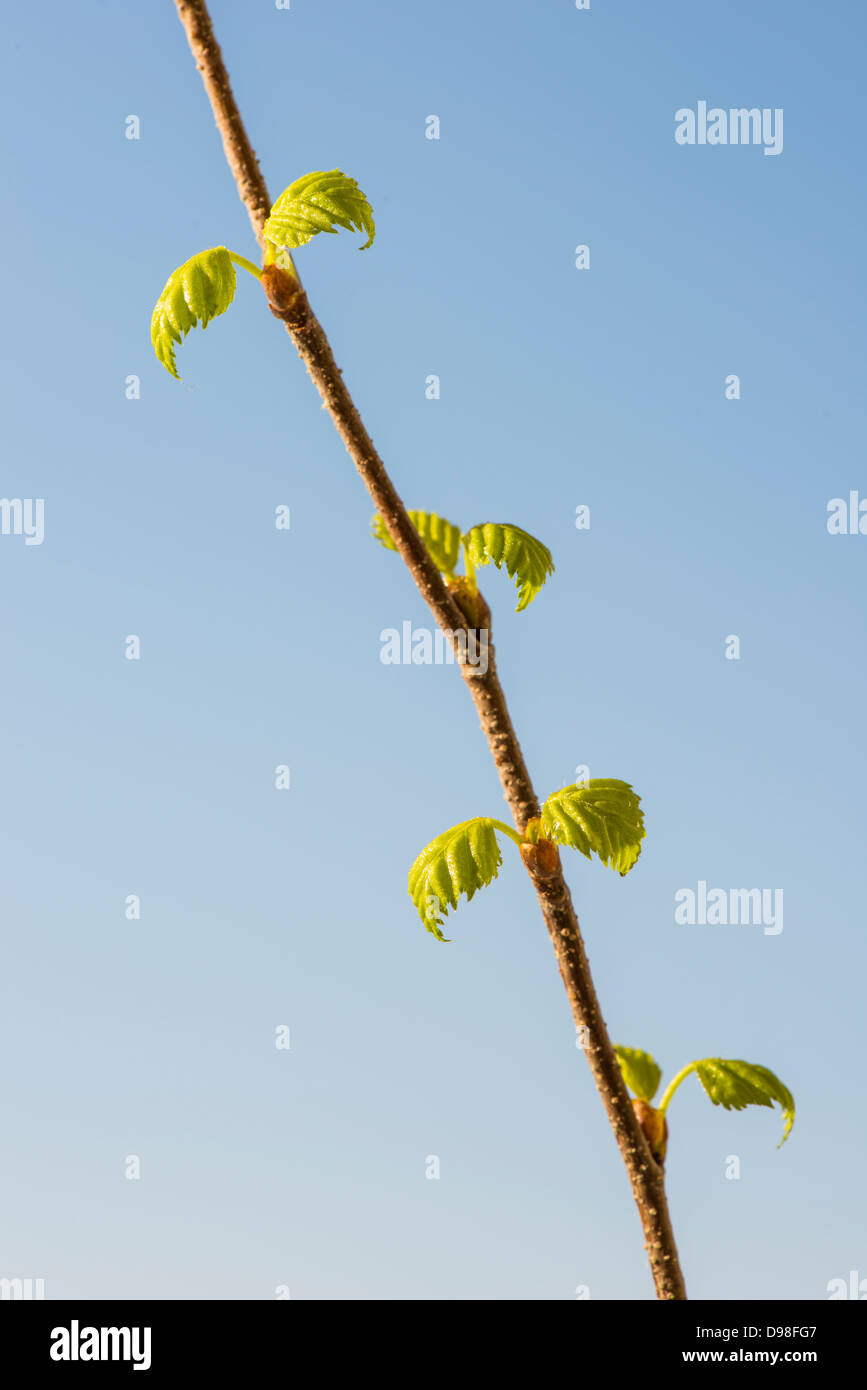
{"x":204,"y":286}
{"x":602,"y":816}
{"x":524,"y":558}
{"x":732,"y":1084}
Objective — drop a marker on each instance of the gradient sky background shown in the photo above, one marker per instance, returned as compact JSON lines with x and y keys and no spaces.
{"x":259,"y":908}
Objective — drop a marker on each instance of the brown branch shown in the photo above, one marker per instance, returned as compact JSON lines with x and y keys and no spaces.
{"x":240,"y":155}
{"x":289,"y":303}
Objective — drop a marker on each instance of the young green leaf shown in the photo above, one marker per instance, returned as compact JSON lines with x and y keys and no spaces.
{"x":443,"y":540}
{"x":640,"y":1072}
{"x":197,"y":292}
{"x":734,"y":1085}
{"x":461,"y":860}
{"x":603,"y":815}
{"x":314,"y":204}
{"x":524,"y":559}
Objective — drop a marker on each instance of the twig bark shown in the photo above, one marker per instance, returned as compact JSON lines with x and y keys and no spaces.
{"x":289,"y":303}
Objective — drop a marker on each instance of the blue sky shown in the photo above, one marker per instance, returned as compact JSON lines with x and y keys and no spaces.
{"x":604,"y":387}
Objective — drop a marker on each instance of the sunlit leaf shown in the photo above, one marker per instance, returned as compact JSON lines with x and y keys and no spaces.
{"x":442,"y":538}
{"x":640,"y":1072}
{"x":197,"y":292}
{"x":319,"y":202}
{"x":460,"y":861}
{"x":524,"y":559}
{"x":603,"y":815}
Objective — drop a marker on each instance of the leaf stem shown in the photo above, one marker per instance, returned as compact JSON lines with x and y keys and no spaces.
{"x":672,"y":1087}
{"x":247,"y":265}
{"x":507,"y":830}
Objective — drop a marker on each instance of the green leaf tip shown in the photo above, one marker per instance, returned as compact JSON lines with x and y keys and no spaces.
{"x":315,"y":203}
{"x":602,"y":816}
{"x":735,"y":1084}
{"x":640,"y":1072}
{"x":460,"y":861}
{"x":198,"y":291}
{"x":442,"y":538}
{"x":525,"y":559}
